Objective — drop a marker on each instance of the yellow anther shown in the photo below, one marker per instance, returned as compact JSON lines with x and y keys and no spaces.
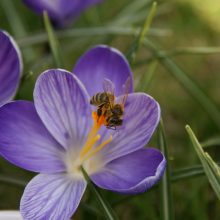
{"x":89,"y":145}
{"x":97,"y":149}
{"x":88,"y":151}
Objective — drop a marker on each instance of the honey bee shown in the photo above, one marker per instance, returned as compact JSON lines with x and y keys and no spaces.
{"x":113,"y":112}
{"x":104,"y":100}
{"x":114,"y":118}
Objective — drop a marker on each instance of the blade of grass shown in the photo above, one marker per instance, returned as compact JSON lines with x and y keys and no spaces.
{"x":12,"y":181}
{"x":17,"y":27}
{"x":39,"y":38}
{"x":166,"y":201}
{"x":132,"y":53}
{"x":181,"y":51}
{"x":210,"y":167}
{"x":146,"y":79}
{"x":186,"y":173}
{"x":214,"y":141}
{"x":189,"y":84}
{"x":129,"y":10}
{"x":193,"y":51}
{"x":54,"y":45}
{"x":109,"y":213}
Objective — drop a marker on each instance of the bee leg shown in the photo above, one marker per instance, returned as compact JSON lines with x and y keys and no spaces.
{"x":112,"y":128}
{"x":99,"y":112}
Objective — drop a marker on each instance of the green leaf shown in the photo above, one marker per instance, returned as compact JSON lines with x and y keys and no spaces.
{"x":108,"y":211}
{"x":54,"y":45}
{"x":132,"y":53}
{"x":166,"y":201}
{"x":189,"y":84}
{"x":210,"y":167}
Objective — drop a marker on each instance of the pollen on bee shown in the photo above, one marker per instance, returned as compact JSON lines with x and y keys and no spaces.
{"x":99,"y":120}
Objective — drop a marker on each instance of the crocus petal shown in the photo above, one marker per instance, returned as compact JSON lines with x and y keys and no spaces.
{"x":51,"y":196}
{"x":133,"y":173}
{"x":63,"y":105}
{"x":103,"y":62}
{"x":141,"y":117}
{"x":10,"y":67}
{"x":24,"y":140}
{"x":60,"y":11}
{"x":10,"y":215}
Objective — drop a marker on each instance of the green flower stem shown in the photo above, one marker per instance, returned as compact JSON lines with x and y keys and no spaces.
{"x":109,"y":213}
{"x":166,"y":195}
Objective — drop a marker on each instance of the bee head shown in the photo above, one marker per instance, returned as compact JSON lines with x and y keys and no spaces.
{"x":115,"y":121}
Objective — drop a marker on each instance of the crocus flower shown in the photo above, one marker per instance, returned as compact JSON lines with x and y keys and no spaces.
{"x":10,"y":67}
{"x":61,"y":11}
{"x":60,"y":132}
{"x":10,"y":215}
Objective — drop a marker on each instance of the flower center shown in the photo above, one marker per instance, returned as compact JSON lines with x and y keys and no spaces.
{"x":86,"y":155}
{"x":88,"y":149}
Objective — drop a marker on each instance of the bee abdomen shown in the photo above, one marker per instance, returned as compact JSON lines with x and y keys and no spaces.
{"x":98,"y":99}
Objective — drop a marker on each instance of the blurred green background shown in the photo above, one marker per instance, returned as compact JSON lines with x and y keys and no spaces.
{"x":187,"y":31}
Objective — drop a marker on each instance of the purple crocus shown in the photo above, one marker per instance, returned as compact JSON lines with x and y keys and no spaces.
{"x":10,"y":67}
{"x":61,"y":11}
{"x":60,"y":132}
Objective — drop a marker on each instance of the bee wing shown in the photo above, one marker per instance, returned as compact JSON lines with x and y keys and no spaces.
{"x":126,"y":88}
{"x":108,"y":86}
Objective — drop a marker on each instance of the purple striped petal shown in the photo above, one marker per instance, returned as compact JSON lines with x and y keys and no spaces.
{"x":24,"y":140}
{"x":133,"y":173}
{"x":63,"y":105}
{"x":61,"y":11}
{"x":141,"y":117}
{"x":51,"y":196}
{"x":103,"y":62}
{"x":10,"y":67}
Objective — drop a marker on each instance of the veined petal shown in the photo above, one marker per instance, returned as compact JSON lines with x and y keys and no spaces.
{"x":63,"y":105}
{"x":10,"y":67}
{"x":51,"y":197}
{"x":133,"y":173}
{"x":103,"y":62}
{"x":25,"y":141}
{"x":10,"y":215}
{"x":141,"y":117}
{"x":60,"y":11}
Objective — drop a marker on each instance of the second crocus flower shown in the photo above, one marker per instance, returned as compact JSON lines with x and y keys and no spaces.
{"x":61,"y":12}
{"x":10,"y":67}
